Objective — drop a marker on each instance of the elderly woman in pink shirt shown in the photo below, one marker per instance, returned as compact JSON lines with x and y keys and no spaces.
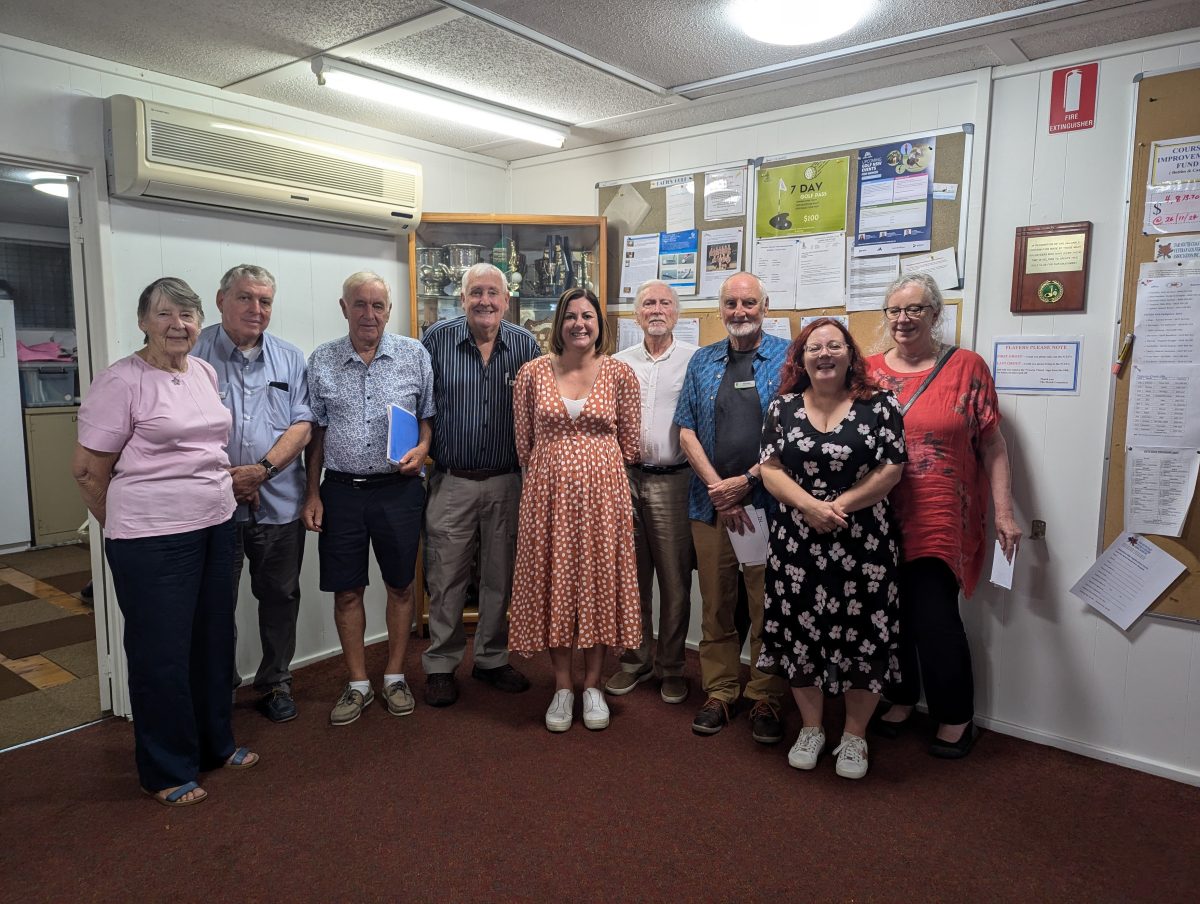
{"x":152,"y":469}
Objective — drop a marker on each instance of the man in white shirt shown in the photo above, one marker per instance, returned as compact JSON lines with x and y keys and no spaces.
{"x":659,"y":485}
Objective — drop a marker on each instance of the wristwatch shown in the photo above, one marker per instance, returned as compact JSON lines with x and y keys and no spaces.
{"x":752,"y":479}
{"x":271,"y":469}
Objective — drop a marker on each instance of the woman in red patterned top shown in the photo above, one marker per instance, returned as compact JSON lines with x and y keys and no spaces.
{"x":956,"y":453}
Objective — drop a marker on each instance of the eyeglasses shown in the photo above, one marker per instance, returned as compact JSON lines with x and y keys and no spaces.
{"x":914,"y":311}
{"x":834,"y":348}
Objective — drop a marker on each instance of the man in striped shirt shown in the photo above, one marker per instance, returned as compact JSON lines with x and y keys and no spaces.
{"x":475,"y":490}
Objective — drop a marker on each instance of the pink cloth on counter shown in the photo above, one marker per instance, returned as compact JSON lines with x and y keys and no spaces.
{"x":43,"y":351}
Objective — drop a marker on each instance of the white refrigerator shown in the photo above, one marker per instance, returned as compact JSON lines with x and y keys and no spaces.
{"x":14,"y":493}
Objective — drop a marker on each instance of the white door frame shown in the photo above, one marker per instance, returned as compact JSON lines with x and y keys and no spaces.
{"x":87,"y":206}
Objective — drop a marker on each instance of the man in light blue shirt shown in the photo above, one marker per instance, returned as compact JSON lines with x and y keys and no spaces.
{"x":262,"y":381}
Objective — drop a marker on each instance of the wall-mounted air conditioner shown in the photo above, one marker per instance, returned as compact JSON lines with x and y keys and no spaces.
{"x":157,"y":152}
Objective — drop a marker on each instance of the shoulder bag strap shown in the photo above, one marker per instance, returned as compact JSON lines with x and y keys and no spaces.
{"x":937,"y":368}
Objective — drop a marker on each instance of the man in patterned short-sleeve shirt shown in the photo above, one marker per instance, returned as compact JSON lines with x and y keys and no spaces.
{"x":365,"y":499}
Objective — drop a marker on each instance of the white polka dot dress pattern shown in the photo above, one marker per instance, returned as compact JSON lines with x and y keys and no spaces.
{"x":575,"y":580}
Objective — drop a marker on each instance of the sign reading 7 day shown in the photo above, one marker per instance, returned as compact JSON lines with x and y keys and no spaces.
{"x":802,"y":198}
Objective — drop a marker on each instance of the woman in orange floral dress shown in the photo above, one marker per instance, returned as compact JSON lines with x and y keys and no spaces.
{"x":578,"y":421}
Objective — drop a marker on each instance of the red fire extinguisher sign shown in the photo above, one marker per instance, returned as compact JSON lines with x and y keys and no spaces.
{"x":1073,"y":98}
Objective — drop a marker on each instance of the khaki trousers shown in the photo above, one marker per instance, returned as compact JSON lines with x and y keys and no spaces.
{"x":720,"y":651}
{"x":462,"y":518}
{"x":663,"y":544}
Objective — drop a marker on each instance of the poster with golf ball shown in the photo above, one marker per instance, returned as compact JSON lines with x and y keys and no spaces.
{"x":802,"y":198}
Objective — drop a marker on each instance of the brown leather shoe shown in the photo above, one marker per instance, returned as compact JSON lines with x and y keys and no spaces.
{"x":713,"y":716}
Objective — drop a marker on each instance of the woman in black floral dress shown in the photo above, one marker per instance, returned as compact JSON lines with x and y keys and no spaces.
{"x":833,"y":447}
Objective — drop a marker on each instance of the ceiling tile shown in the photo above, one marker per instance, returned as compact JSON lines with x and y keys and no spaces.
{"x":215,"y":42}
{"x":675,"y":42}
{"x":477,"y":59}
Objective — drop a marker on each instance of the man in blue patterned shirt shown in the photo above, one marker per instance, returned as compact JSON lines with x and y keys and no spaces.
{"x":720,"y":414}
{"x":365,"y":499}
{"x":476,"y":490}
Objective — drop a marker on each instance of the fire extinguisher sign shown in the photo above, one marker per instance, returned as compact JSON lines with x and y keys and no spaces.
{"x":1073,"y":98}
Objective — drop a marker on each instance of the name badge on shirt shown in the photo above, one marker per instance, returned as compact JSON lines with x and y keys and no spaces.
{"x":744,"y":384}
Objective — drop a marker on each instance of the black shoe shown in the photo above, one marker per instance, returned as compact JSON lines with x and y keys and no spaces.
{"x":890,"y":730}
{"x":955,"y":750}
{"x":278,"y":706}
{"x":441,"y":689}
{"x":764,"y":723}
{"x":713,"y":716}
{"x":502,"y":678}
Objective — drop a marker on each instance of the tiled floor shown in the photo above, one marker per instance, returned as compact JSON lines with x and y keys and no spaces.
{"x":47,"y":644}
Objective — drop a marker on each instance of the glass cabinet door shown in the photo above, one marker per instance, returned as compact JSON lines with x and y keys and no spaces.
{"x":541,"y":258}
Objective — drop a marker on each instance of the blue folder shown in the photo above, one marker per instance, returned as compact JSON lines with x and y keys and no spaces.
{"x":402,"y":433}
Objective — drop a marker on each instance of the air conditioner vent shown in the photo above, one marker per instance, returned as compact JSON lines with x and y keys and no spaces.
{"x":170,"y":154}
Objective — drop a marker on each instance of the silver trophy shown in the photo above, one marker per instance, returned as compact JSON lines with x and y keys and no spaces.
{"x":460,"y":258}
{"x":431,"y":270}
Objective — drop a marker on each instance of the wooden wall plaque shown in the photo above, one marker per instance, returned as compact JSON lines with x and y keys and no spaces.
{"x":1050,"y":268}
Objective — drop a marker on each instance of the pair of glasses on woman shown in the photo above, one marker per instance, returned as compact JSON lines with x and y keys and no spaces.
{"x":913,"y":311}
{"x":834,"y":348}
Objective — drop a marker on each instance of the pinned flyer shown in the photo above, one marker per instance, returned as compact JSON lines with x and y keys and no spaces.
{"x":1127,"y":578}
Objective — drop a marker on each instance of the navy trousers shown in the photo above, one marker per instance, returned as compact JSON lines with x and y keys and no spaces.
{"x":177,"y":599}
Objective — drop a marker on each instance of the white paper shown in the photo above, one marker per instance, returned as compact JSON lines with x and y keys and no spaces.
{"x":949,"y":323}
{"x":821,"y":281}
{"x":1177,"y":248}
{"x":681,"y":207}
{"x":941,"y":265}
{"x":1173,"y":186}
{"x":626,"y":210}
{"x":1159,"y":484}
{"x":751,"y":547}
{"x":1127,"y":578}
{"x":629,"y":333}
{"x":776,"y":263}
{"x":687,"y":329}
{"x":721,"y":257}
{"x":1166,"y":322}
{"x":1036,"y":365}
{"x":1002,"y":569}
{"x":725,"y":194}
{"x":778,"y":326}
{"x":1164,"y":406}
{"x":843,"y":319}
{"x":868,"y":278}
{"x":1165,"y":268}
{"x":945,"y":191}
{"x":639,"y":262}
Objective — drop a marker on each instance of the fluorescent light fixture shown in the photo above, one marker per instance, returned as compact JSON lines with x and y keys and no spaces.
{"x":418,"y":98}
{"x":39,"y":174}
{"x":51,"y":187}
{"x":797,"y":21}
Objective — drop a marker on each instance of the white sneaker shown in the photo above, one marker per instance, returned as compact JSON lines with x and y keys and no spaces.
{"x":595,"y":710}
{"x":807,"y":749}
{"x":851,"y":756}
{"x":561,"y":711}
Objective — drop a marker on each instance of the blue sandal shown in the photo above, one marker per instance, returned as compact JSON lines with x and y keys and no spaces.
{"x":242,"y":758}
{"x":175,"y":798}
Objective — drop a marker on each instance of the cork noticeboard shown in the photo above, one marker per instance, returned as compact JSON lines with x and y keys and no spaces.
{"x":1165,"y":108}
{"x":951,"y":165}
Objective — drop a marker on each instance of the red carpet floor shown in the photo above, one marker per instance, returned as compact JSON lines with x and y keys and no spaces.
{"x":479,"y":802}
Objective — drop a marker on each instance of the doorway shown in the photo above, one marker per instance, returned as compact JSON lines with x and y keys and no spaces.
{"x":49,"y":662}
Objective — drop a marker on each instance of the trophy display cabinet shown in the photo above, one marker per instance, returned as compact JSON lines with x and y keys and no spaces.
{"x":541,"y":257}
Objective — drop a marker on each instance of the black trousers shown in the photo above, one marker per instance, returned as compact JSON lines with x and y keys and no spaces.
{"x":933,"y":644}
{"x":175,"y":594}
{"x":275,"y":553}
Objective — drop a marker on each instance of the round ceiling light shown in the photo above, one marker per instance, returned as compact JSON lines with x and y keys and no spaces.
{"x":51,"y":187}
{"x":797,"y":21}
